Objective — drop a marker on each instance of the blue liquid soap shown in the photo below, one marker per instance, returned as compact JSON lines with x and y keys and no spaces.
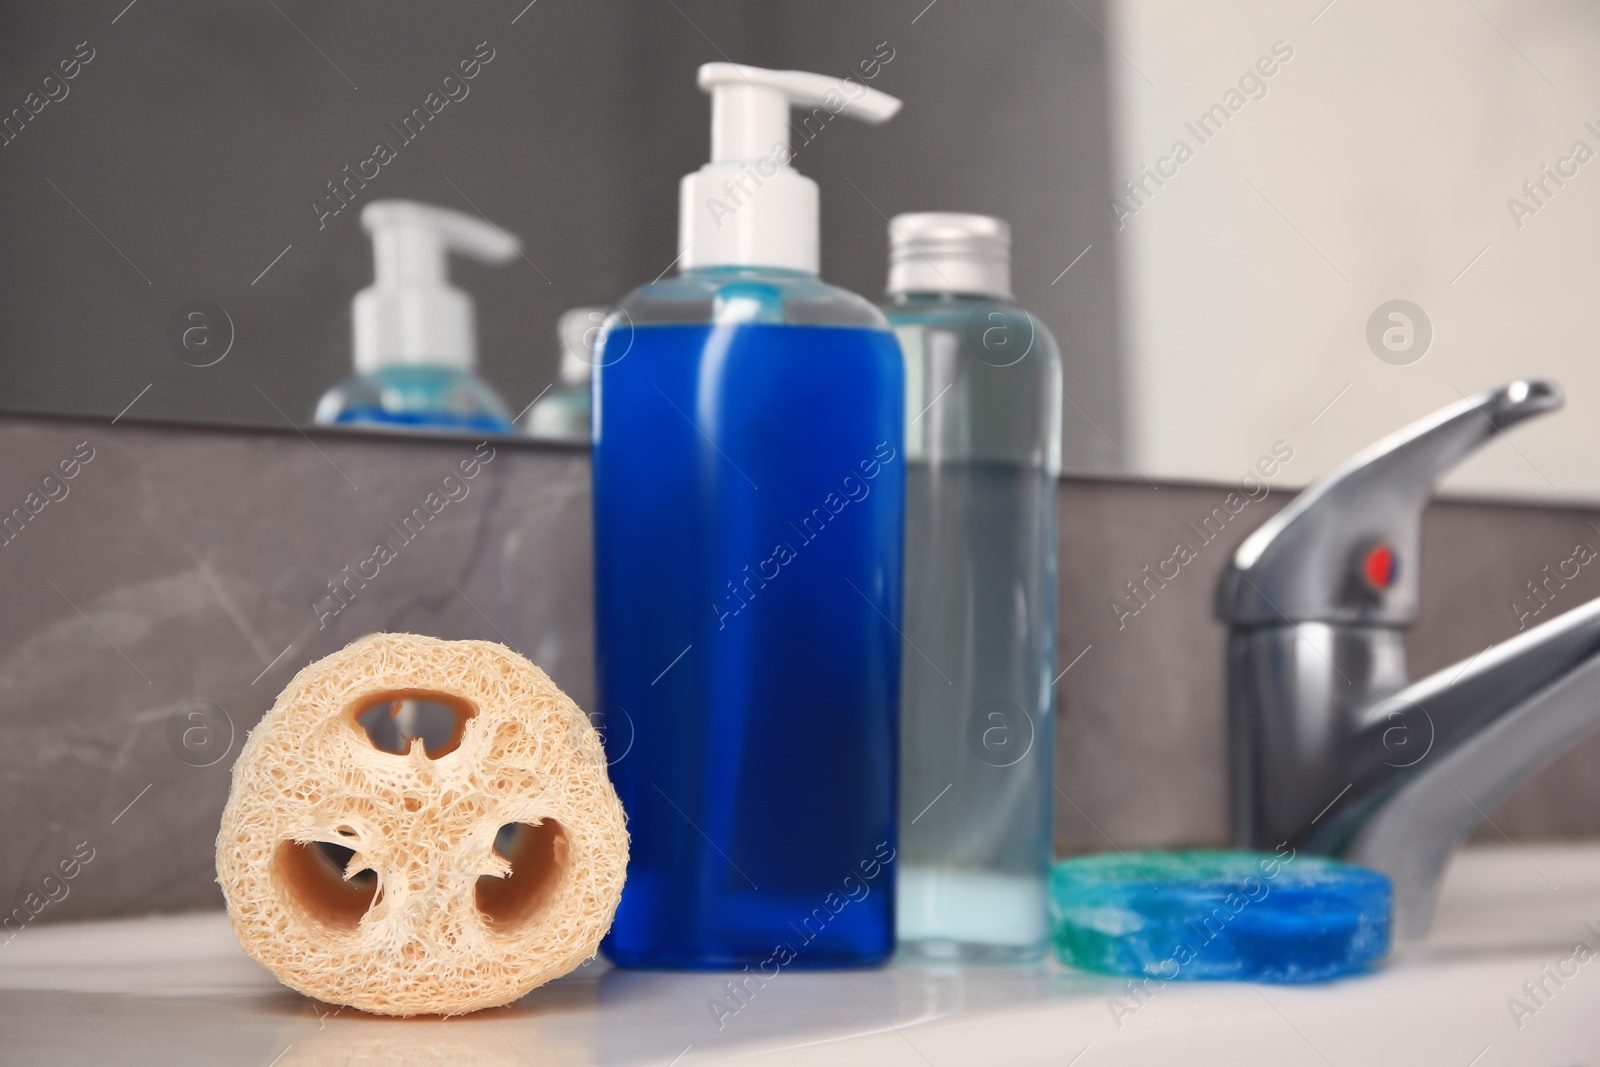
{"x":1219,"y":916}
{"x":749,"y":496}
{"x":415,"y":397}
{"x":749,"y":492}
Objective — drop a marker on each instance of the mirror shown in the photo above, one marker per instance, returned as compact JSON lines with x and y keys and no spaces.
{"x":1253,"y":230}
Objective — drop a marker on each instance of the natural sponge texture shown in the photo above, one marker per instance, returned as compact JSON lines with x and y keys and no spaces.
{"x":428,"y":915}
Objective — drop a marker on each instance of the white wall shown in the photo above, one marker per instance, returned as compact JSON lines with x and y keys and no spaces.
{"x":1377,"y":165}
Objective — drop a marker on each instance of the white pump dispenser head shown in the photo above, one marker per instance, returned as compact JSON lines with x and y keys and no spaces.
{"x":747,"y":207}
{"x":411,"y":313}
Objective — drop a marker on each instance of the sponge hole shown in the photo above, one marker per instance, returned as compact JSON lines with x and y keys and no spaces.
{"x":313,"y":875}
{"x":392,"y":720}
{"x":539,"y":856}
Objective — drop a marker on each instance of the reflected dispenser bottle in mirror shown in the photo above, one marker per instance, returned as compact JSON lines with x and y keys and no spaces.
{"x":562,"y":413}
{"x":748,"y":504}
{"x":415,"y":341}
{"x":983,"y":432}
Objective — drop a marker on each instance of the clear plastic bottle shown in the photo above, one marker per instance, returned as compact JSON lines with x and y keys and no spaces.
{"x":415,"y":338}
{"x":983,"y":432}
{"x":562,"y":414}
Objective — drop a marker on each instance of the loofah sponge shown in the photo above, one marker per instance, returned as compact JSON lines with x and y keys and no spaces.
{"x":471,"y":872}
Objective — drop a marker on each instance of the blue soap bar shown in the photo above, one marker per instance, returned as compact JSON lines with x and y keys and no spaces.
{"x":1219,"y":916}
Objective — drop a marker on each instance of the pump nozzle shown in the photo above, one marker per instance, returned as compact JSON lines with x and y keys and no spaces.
{"x":750,"y":106}
{"x":747,"y":207}
{"x":411,"y":313}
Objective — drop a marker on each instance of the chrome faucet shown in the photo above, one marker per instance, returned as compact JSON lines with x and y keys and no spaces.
{"x":1332,"y":749}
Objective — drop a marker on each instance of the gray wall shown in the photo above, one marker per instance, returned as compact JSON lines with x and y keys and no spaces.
{"x":1142,"y":745}
{"x":194,"y":144}
{"x":182,"y":565}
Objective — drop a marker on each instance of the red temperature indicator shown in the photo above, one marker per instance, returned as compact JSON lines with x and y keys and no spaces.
{"x":1379,"y":567}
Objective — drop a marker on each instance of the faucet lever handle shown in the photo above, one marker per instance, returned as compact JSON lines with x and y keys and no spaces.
{"x":1346,"y":549}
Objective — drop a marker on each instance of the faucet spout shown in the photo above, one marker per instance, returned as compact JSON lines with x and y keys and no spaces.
{"x":1435,"y":758}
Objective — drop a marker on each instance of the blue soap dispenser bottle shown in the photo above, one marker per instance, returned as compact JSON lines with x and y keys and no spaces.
{"x":415,"y":340}
{"x":748,"y":511}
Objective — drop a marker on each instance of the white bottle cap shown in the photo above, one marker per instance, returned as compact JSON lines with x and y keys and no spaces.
{"x":411,"y":313}
{"x":579,"y":328}
{"x":946,"y":252}
{"x":747,"y":207}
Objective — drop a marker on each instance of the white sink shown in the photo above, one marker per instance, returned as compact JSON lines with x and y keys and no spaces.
{"x":176,"y":991}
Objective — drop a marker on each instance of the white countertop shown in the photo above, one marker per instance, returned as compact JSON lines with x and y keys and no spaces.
{"x":174,"y":991}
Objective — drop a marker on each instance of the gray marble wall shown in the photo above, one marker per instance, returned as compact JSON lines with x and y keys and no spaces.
{"x":186,"y":568}
{"x":160,"y":597}
{"x":1141,"y":749}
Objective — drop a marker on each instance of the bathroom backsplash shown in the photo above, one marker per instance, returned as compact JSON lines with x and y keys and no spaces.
{"x":153,"y":617}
